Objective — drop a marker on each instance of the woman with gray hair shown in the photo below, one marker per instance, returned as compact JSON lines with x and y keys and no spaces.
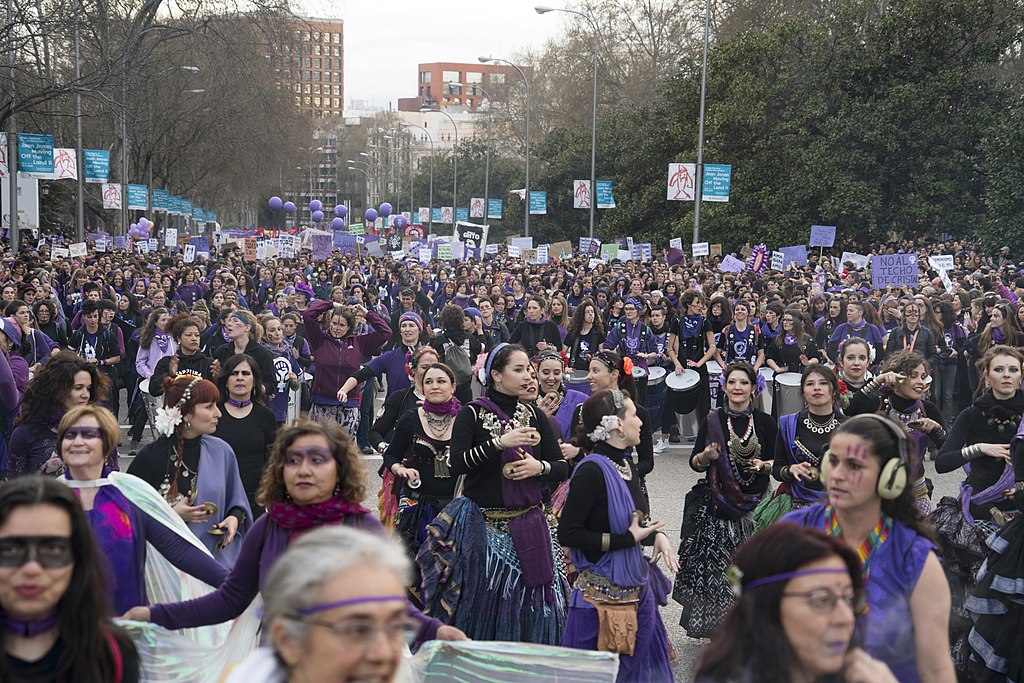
{"x":328,"y":600}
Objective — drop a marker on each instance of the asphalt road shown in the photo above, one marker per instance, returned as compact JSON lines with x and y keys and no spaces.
{"x":667,"y":485}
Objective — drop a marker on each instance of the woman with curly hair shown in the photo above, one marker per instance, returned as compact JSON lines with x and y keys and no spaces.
{"x":314,"y":478}
{"x":196,"y":472}
{"x":584,"y":334}
{"x":64,"y":382}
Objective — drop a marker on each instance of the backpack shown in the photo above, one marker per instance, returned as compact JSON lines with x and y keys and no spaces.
{"x":457,"y":359}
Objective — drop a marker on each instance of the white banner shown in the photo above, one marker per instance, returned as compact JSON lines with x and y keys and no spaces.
{"x":111,"y":196}
{"x":476,"y":207}
{"x":858,"y":260}
{"x":171,"y":237}
{"x":941,"y":262}
{"x":3,"y":155}
{"x":190,"y":253}
{"x":424,"y":214}
{"x":28,"y":202}
{"x":778,"y":260}
{"x":447,"y":215}
{"x":701,"y":249}
{"x":682,"y":182}
{"x":581,"y":195}
{"x":65,"y":163}
{"x":676,"y":243}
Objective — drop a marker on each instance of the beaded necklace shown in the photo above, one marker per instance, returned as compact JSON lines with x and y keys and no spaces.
{"x":867,"y":548}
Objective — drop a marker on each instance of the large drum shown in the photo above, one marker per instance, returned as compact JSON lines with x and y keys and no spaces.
{"x":787,"y":393}
{"x":577,"y":379}
{"x":714,"y":375}
{"x":684,"y":390}
{"x":655,"y":376}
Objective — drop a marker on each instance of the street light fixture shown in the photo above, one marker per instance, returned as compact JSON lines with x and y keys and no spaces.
{"x":526,"y":82}
{"x":455,"y":162}
{"x":430,"y":201}
{"x":542,"y":9}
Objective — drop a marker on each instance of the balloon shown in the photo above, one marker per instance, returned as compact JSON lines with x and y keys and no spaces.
{"x":385,"y":209}
{"x":289,"y":207}
{"x":144,"y":223}
{"x":340,"y":211}
{"x":401,"y":221}
{"x":370,"y":215}
{"x":275,"y":203}
{"x":315,"y":205}
{"x":338,"y":223}
{"x":133,"y":226}
{"x":135,"y":233}
{"x":318,"y":216}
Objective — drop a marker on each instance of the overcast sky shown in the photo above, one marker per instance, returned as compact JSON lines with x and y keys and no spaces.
{"x":386,"y":39}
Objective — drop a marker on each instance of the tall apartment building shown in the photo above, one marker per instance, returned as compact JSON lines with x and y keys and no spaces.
{"x":434,"y":85}
{"x":311,"y":55}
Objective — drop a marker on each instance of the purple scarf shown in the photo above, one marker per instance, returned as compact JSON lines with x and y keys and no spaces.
{"x":296,"y":518}
{"x":725,"y":490}
{"x":529,"y":531}
{"x":626,"y":567}
{"x":449,"y":407}
{"x":989,"y":495}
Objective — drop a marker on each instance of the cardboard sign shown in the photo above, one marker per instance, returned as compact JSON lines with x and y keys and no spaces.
{"x":513,"y":250}
{"x":190,"y":253}
{"x":249,"y":249}
{"x":153,"y":244}
{"x":778,"y":261}
{"x":78,"y":249}
{"x":676,"y":243}
{"x":941,"y":262}
{"x":731,"y":264}
{"x":796,"y":254}
{"x":894,"y":269}
{"x":823,"y":235}
{"x":560,"y":249}
{"x":701,"y":249}
{"x":859,"y":261}
{"x":716,"y":250}
{"x":60,"y":252}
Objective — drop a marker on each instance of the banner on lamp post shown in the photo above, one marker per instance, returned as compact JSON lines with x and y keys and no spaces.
{"x":605,"y":200}
{"x":538,"y":203}
{"x":111,"y":195}
{"x":137,"y":196}
{"x":494,"y":209}
{"x":581,"y":197}
{"x":476,"y":207}
{"x":682,"y":182}
{"x":97,"y":165}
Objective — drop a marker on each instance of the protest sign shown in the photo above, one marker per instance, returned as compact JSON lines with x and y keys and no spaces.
{"x":731,"y":264}
{"x":941,"y":261}
{"x":858,"y":260}
{"x":823,"y":235}
{"x":778,"y":260}
{"x":701,"y":249}
{"x":894,"y":269}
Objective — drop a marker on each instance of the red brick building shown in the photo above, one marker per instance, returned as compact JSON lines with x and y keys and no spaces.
{"x":433,"y":89}
{"x":311,"y":55}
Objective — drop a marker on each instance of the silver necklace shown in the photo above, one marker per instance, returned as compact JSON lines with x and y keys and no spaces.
{"x":438,"y":425}
{"x":818,"y":428}
{"x":624,"y":470}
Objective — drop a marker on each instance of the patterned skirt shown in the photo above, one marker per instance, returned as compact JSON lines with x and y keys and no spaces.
{"x":472,"y":579}
{"x":996,"y":605}
{"x":345,"y":416}
{"x":708,"y":543}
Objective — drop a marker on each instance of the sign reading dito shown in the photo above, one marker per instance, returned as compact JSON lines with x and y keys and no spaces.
{"x":538,"y":202}
{"x":35,"y":153}
{"x":717,"y":182}
{"x":894,"y":269}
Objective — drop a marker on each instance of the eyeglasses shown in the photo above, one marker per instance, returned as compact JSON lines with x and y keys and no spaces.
{"x":85,"y":432}
{"x":51,"y":552}
{"x":360,"y":633}
{"x":314,"y":455}
{"x":824,"y":601}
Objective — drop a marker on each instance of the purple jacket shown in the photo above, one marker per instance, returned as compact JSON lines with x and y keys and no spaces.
{"x":338,"y":359}
{"x":261,"y":547}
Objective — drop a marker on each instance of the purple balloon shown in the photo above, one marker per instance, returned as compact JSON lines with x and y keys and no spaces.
{"x":370,"y":215}
{"x":338,"y":223}
{"x":289,"y":207}
{"x":315,"y":205}
{"x":318,"y":216}
{"x":401,"y":221}
{"x":385,"y":209}
{"x":275,"y":203}
{"x":340,"y":211}
{"x":133,"y":226}
{"x":145,"y":223}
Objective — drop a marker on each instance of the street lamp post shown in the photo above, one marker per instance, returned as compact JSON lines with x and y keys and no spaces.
{"x":455,"y":165}
{"x":526,"y":82}
{"x":540,"y":9}
{"x":365,"y":173}
{"x":430,"y":200}
{"x":369,"y":179}
{"x":698,"y":192}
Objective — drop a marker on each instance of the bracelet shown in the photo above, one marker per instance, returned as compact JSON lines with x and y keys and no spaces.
{"x":695,"y":462}
{"x":606,"y":542}
{"x":971,"y":452}
{"x":545,"y":468}
{"x":784,"y":473}
{"x":872,"y":387}
{"x":766,"y":466}
{"x":496,"y":443}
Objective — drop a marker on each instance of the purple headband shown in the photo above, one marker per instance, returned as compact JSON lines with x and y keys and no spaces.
{"x":346,"y":603}
{"x":775,"y":578}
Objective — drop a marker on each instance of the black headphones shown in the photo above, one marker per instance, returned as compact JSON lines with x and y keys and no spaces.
{"x":892,"y":480}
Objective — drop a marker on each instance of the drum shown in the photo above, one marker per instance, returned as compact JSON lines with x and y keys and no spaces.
{"x":769,"y":389}
{"x":144,"y":386}
{"x":577,"y":380}
{"x":787,"y":393}
{"x":655,"y":375}
{"x":714,"y":373}
{"x":685,"y":390}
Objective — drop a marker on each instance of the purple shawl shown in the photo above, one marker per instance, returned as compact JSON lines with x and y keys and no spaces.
{"x":529,"y":531}
{"x":625,"y":567}
{"x":989,"y":495}
{"x":565,"y":411}
{"x":218,"y":482}
{"x":725,"y":490}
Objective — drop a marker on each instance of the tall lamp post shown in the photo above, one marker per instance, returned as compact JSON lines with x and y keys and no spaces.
{"x":455,"y":163}
{"x":541,"y":9}
{"x":365,"y":173}
{"x":365,"y":168}
{"x":698,"y":192}
{"x":430,"y":201}
{"x":526,"y":82}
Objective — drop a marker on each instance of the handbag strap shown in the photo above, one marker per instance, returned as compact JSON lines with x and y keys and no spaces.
{"x":115,"y":651}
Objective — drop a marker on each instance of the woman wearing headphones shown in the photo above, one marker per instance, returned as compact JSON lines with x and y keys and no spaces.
{"x":871,"y":506}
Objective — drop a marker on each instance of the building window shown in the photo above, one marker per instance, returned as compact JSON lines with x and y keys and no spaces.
{"x":497,"y":78}
{"x":305,"y":36}
{"x":307,"y":62}
{"x":337,"y":90}
{"x":337,"y":38}
{"x":309,"y":75}
{"x":308,"y":88}
{"x":327,"y":63}
{"x":316,"y":75}
{"x":337,"y":102}
{"x":317,"y":63}
{"x":425,"y":76}
{"x":306,"y":100}
{"x":316,"y":101}
{"x":316,"y":49}
{"x":298,"y":101}
{"x":298,"y":87}
{"x":337,"y":77}
{"x":449,"y":76}
{"x":337,"y":51}
{"x":316,"y":89}
{"x":316,"y":36}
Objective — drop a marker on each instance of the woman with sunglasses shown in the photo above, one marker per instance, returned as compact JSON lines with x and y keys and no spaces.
{"x":871,"y":506}
{"x":53,"y":596}
{"x":912,"y":335}
{"x":314,"y":478}
{"x":800,"y":598}
{"x":126,"y":515}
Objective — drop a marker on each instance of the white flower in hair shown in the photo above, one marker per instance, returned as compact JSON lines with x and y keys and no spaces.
{"x":167,"y":420}
{"x":603,"y":431}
